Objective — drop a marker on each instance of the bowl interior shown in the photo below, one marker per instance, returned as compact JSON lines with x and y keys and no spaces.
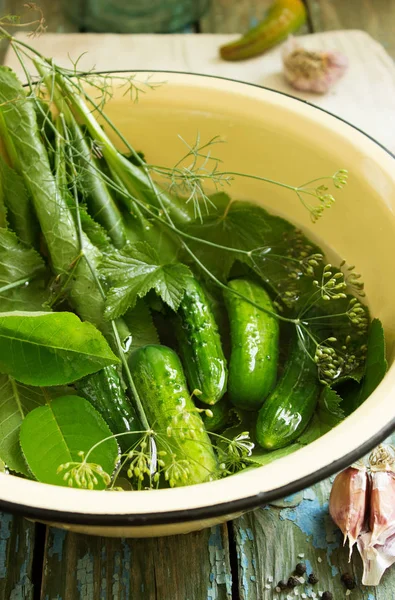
{"x":274,"y":136}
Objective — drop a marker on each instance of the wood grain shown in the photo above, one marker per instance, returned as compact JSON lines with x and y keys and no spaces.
{"x":188,"y":567}
{"x":376,"y":17}
{"x":16,"y":557}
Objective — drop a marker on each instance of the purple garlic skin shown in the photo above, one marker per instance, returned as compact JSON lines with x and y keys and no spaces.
{"x":312,"y":71}
{"x":348,"y":503}
{"x":382,"y":506}
{"x":376,"y":545}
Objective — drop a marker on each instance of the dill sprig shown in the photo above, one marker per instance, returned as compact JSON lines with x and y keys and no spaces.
{"x":15,"y":21}
{"x":189,"y":176}
{"x":198,"y":167}
{"x":148,"y":468}
{"x":84,"y":474}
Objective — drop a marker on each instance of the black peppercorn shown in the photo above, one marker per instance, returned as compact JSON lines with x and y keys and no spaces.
{"x":327,"y":596}
{"x":348,"y":581}
{"x":293,"y":582}
{"x":300,"y":569}
{"x":283,"y":585}
{"x":313,"y":579}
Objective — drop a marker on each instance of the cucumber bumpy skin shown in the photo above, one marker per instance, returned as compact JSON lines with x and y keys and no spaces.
{"x":200,"y":345}
{"x":289,"y":408}
{"x":105,"y":392}
{"x":161,"y":385}
{"x":254,"y":345}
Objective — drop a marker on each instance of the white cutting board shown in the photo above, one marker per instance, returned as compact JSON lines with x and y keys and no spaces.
{"x":365,"y":96}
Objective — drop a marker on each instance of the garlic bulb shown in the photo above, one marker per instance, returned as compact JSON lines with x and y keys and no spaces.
{"x":347,"y":502}
{"x":362,"y":504}
{"x":312,"y":71}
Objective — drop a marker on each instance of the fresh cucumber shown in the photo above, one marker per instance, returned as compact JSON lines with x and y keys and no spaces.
{"x":254,"y":345}
{"x":200,"y":346}
{"x":289,"y":408}
{"x":180,"y":432}
{"x":105,"y":392}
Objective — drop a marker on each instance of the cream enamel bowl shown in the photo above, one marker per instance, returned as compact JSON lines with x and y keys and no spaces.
{"x":274,"y":135}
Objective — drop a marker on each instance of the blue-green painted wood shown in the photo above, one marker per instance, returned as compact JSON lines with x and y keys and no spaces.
{"x":16,"y":556}
{"x":189,"y":567}
{"x":272,"y":540}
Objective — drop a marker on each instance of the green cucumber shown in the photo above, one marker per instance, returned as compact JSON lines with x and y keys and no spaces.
{"x":160,"y":383}
{"x":289,"y":408}
{"x":254,"y":345}
{"x":200,"y":346}
{"x":105,"y":392}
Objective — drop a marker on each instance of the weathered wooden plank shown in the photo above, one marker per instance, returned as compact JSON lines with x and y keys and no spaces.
{"x":235,"y":16}
{"x":16,"y":557}
{"x":184,"y":567}
{"x":272,"y":540}
{"x":376,"y":17}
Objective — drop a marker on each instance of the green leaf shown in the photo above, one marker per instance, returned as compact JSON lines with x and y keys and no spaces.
{"x":47,"y":349}
{"x":144,"y":228}
{"x":19,"y":263}
{"x":28,"y":155}
{"x":376,"y":363}
{"x":16,"y":401}
{"x":20,"y":213}
{"x":329,"y":410}
{"x":329,"y":413}
{"x":137,"y":270}
{"x":3,"y":210}
{"x":55,"y":434}
{"x":235,"y":224}
{"x":95,"y":232}
{"x":140,"y":323}
{"x":375,"y":369}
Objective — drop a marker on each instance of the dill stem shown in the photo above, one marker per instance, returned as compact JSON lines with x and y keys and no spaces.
{"x":15,"y":284}
{"x":319,"y":317}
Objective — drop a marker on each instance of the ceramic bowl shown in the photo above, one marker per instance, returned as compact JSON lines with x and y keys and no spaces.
{"x":285,"y":139}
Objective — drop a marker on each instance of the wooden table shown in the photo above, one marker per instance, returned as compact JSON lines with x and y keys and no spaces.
{"x":244,"y":559}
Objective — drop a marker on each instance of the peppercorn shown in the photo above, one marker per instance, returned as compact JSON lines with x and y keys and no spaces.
{"x":313,"y":579}
{"x":327,"y":596}
{"x":293,"y":582}
{"x":283,"y":585}
{"x":348,"y":581}
{"x":300,"y":569}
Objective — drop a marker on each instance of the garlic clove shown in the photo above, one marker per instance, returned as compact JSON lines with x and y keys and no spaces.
{"x":377,"y":558}
{"x":348,"y":502}
{"x":312,"y":71}
{"x":382,"y":506}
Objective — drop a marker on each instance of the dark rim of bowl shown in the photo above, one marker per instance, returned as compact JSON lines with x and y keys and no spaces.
{"x":222,"y":509}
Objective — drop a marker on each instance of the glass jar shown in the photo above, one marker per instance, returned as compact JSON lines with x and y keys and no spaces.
{"x":135,"y":16}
